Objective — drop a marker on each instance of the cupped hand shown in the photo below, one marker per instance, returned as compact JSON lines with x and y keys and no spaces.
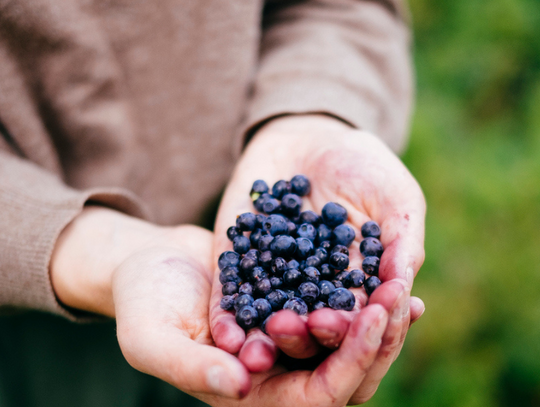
{"x":358,"y":171}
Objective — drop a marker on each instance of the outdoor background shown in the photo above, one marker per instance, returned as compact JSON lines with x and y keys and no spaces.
{"x":475,"y":150}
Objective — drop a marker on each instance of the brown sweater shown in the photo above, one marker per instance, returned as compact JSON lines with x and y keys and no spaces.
{"x":106,"y":100}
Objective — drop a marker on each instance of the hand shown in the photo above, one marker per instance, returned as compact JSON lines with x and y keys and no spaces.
{"x":358,"y":171}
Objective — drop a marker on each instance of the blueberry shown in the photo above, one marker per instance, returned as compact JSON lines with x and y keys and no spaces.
{"x":297,"y":305}
{"x":281,"y":188}
{"x":230,"y":274}
{"x":343,"y":235}
{"x":325,"y":288}
{"x":247,"y":317}
{"x":279,"y":266}
{"x":263,"y":324}
{"x":228,"y":259}
{"x":232,"y":232}
{"x":276,"y":225}
{"x":300,"y":185}
{"x":255,"y":236}
{"x":252,"y":253}
{"x":337,"y":283}
{"x":322,"y":254}
{"x":339,"y":261}
{"x":277,"y":299}
{"x":247,"y":264}
{"x":291,"y":204}
{"x":325,"y":244}
{"x":265,"y":259}
{"x":356,"y":278}
{"x":246,"y":221}
{"x":371,"y":265}
{"x":229,"y":288}
{"x":307,"y":230}
{"x":309,"y":217}
{"x":313,"y":261}
{"x":293,"y":264}
{"x":340,"y":249}
{"x":311,"y":274}
{"x":343,"y":277}
{"x":327,"y":272}
{"x":371,"y":247}
{"x":324,"y":233}
{"x":304,"y":248}
{"x":309,"y":292}
{"x":227,"y":302}
{"x":263,"y":307}
{"x":292,"y":228}
{"x":371,"y":284}
{"x":259,"y":220}
{"x":276,"y":282}
{"x":257,"y":274}
{"x":264,"y":242}
{"x":318,"y":305}
{"x":341,"y":298}
{"x":246,"y":288}
{"x":302,"y":265}
{"x":241,"y":244}
{"x":371,"y":229}
{"x":242,"y":301}
{"x":259,"y":203}
{"x":259,"y":187}
{"x":283,"y":246}
{"x":263,"y":287}
{"x":292,"y":278}
{"x":333,"y":214}
{"x":271,"y":206}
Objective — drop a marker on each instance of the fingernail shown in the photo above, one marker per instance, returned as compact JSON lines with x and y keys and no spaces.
{"x":326,"y":337}
{"x":220,"y":382}
{"x":287,"y":340}
{"x":409,"y":273}
{"x":374,"y":333}
{"x":397,"y":312}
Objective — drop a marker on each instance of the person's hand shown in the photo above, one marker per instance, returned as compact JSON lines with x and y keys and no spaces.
{"x":358,"y":171}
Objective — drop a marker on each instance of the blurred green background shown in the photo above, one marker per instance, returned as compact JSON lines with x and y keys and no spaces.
{"x":475,"y":150}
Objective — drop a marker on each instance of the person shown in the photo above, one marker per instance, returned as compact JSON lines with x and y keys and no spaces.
{"x":121,"y":120}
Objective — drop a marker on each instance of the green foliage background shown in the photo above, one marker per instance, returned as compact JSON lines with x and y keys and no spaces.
{"x":475,"y":150}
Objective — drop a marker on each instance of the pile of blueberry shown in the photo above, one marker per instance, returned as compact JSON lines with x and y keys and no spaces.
{"x":287,"y":259}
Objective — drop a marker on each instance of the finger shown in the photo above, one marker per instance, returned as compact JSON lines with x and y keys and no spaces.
{"x":417,"y":309}
{"x":259,"y":352}
{"x":225,"y":331}
{"x":290,"y":333}
{"x":329,"y":327}
{"x":394,"y":297}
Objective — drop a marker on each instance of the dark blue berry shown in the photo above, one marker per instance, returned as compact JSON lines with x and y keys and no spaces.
{"x":371,"y":265}
{"x":255,"y":236}
{"x":309,"y":217}
{"x":265,"y":322}
{"x":324,"y":233}
{"x":309,"y":292}
{"x":242,"y":301}
{"x":229,"y":288}
{"x":297,"y":305}
{"x":304,"y":248}
{"x":325,"y":288}
{"x":327,"y":272}
{"x":318,"y":305}
{"x":247,"y":264}
{"x":276,"y":225}
{"x":341,"y":298}
{"x":343,"y":277}
{"x":228,"y":259}
{"x":230,"y":274}
{"x":232,"y":232}
{"x":292,"y":228}
{"x":356,"y":278}
{"x":302,"y":265}
{"x":265,"y":259}
{"x":293,"y":264}
{"x":279,"y":266}
{"x":371,"y":229}
{"x":271,"y":206}
{"x":259,"y":187}
{"x":333,"y":214}
{"x":277,"y":299}
{"x":257,"y":274}
{"x":259,"y":220}
{"x":283,"y":246}
{"x":371,"y":247}
{"x":300,"y":185}
{"x":322,"y":254}
{"x":264,"y":242}
{"x":339,"y":261}
{"x":343,"y":235}
{"x":259,"y":203}
{"x":340,"y":249}
{"x":246,"y":222}
{"x":281,"y":188}
{"x":227,"y":302}
{"x":311,"y":274}
{"x":246,"y":288}
{"x":337,"y":283}
{"x":263,"y":287}
{"x":241,"y":244}
{"x":313,"y":261}
{"x":325,"y":244}
{"x":291,"y":204}
{"x":247,"y":317}
{"x":263,"y":307}
{"x":252,"y":253}
{"x":276,"y":282}
{"x":371,"y":284}
{"x":292,"y":277}
{"x":307,"y":230}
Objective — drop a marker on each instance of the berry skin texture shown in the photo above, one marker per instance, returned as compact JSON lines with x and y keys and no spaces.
{"x":230,"y":274}
{"x":371,"y":284}
{"x":276,"y":282}
{"x":311,"y":274}
{"x":327,"y":272}
{"x":283,"y":246}
{"x":227,"y":302}
{"x":291,"y":204}
{"x":242,"y":301}
{"x":341,"y":299}
{"x":263,"y":287}
{"x":333,"y":214}
{"x":297,"y":305}
{"x":263,"y":308}
{"x":325,"y":288}
{"x":246,"y":288}
{"x":304,"y":248}
{"x":259,"y":203}
{"x":232,"y":232}
{"x":313,"y":261}
{"x":300,"y":185}
{"x":279,"y":266}
{"x":343,"y":235}
{"x":277,"y":299}
{"x":371,"y":247}
{"x":271,"y":206}
{"x":324,"y":233}
{"x":281,"y":188}
{"x":265,"y":259}
{"x":241,"y":244}
{"x":246,"y":222}
{"x":307,"y":230}
{"x":318,"y":305}
{"x":259,"y":187}
{"x":255,"y":236}
{"x":309,"y":217}
{"x":309,"y":292}
{"x":247,"y":264}
{"x":371,"y":229}
{"x":322,"y":254}
{"x":339,"y":261}
{"x":276,"y":225}
{"x":339,"y":249}
{"x":228,"y":259}
{"x":229,"y":288}
{"x":247,"y":317}
{"x":370,"y":265}
{"x":292,"y":278}
{"x":355,"y":278}
{"x":264,"y":242}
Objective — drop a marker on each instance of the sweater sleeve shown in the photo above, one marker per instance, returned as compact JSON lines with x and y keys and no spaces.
{"x":35,"y":206}
{"x":346,"y":58}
